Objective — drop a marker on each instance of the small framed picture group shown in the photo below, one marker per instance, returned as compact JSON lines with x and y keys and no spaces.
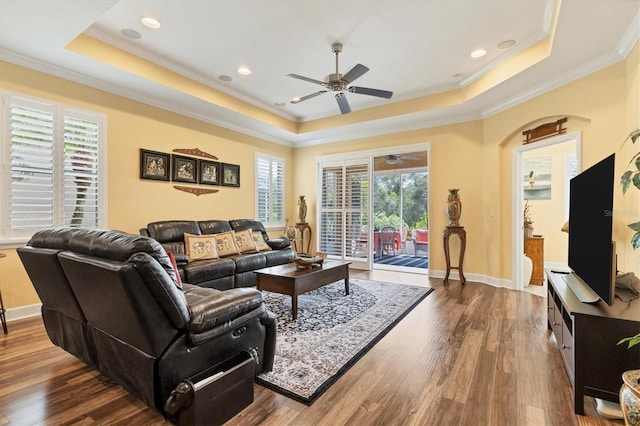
{"x":179,"y":168}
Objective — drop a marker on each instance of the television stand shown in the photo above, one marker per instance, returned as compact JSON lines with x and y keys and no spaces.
{"x":582,"y":292}
{"x":587,"y":337}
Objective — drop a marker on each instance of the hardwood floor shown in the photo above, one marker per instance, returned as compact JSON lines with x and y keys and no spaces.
{"x":472,"y":355}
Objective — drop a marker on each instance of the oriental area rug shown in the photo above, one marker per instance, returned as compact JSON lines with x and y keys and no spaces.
{"x":332,"y":332}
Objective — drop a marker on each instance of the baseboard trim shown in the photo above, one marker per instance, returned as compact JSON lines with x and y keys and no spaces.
{"x":22,"y":312}
{"x":494,"y":282}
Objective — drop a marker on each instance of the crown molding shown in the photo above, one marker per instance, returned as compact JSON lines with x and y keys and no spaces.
{"x":562,"y":79}
{"x":630,"y":37}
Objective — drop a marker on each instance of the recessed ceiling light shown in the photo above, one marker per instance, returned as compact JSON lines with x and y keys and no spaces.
{"x":150,"y":22}
{"x":479,"y":53}
{"x":244,"y":71}
{"x":457,"y":76}
{"x":225,"y":78}
{"x":295,"y":100}
{"x":506,"y":44}
{"x":280,"y":104}
{"x":127,"y":32}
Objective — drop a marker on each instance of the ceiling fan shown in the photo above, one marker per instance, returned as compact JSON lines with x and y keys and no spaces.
{"x":392,"y":159}
{"x":339,"y":83}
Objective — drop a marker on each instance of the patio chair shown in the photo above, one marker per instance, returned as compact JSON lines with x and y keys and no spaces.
{"x":421,"y":240}
{"x":387,"y":240}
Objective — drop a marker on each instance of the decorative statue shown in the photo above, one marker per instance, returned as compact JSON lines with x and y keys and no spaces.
{"x":454,"y":207}
{"x":302,"y":209}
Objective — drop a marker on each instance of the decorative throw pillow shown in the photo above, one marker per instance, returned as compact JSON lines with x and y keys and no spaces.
{"x":175,"y":269}
{"x":261,"y":244}
{"x":226,"y":243}
{"x":200,"y":246}
{"x":244,"y":242}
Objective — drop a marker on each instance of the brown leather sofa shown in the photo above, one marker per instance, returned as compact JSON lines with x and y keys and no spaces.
{"x":113,"y":300}
{"x":224,"y":273}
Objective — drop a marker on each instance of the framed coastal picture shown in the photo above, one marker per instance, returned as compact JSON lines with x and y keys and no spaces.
{"x":230,"y":175}
{"x":154,"y":165}
{"x":185,"y":169}
{"x":209,"y":172}
{"x":537,"y":178}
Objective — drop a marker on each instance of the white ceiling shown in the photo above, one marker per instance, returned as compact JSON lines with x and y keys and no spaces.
{"x":413,"y":48}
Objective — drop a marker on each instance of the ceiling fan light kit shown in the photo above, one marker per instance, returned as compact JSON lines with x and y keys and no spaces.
{"x":339,"y":83}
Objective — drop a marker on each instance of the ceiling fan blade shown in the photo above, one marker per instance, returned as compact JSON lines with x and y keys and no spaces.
{"x":343,"y":103}
{"x":354,"y":73}
{"x":304,"y":98}
{"x":310,"y":80}
{"x":371,"y":92}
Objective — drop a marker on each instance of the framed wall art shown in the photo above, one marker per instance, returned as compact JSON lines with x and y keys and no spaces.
{"x":230,"y":175}
{"x":154,"y":165}
{"x":209,"y":172}
{"x":185,"y":169}
{"x":537,"y":179}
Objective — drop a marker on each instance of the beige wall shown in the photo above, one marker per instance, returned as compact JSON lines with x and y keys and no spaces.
{"x":134,"y":202}
{"x":475,"y":157}
{"x":595,"y":106}
{"x":455,"y":151}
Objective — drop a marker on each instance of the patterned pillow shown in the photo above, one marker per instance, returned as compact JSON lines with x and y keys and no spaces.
{"x":261,"y":244}
{"x":226,"y":243}
{"x":200,"y":246}
{"x":244,"y":242}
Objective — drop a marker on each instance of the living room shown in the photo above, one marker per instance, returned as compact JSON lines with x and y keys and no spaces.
{"x":474,"y":155}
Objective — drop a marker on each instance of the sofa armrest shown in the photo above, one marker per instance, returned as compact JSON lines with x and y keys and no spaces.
{"x":210,"y":308}
{"x":279,"y":243}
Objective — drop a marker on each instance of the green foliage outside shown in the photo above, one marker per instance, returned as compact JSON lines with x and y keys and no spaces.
{"x":387,"y":201}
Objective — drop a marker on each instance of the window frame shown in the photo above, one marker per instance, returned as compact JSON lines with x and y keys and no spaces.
{"x":10,"y":238}
{"x":260,"y":156}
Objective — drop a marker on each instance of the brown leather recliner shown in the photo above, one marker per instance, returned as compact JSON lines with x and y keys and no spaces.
{"x":112,"y":299}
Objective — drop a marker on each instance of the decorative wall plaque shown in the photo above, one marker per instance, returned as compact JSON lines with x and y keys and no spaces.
{"x":195,"y":151}
{"x":195,"y":191}
{"x":544,"y":131}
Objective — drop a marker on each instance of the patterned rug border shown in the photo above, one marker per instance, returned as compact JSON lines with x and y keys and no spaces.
{"x":331,"y":380}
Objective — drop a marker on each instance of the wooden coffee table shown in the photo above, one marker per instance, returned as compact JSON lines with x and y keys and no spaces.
{"x":291,"y":280}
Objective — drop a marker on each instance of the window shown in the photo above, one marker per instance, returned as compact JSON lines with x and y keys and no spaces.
{"x":270,"y":190}
{"x":52,"y":158}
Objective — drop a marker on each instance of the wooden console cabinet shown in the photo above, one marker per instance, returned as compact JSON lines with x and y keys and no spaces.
{"x":587,"y":336}
{"x":534,"y":249}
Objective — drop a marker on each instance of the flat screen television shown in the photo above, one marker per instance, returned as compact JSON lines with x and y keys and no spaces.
{"x":591,"y":249}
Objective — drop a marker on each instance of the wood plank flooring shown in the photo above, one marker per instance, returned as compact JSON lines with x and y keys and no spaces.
{"x":466,"y":355}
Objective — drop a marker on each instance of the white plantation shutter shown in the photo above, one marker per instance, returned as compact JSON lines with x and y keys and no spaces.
{"x":344,"y":209}
{"x":331,"y":211}
{"x":52,"y":159}
{"x":270,"y":190}
{"x":31,"y":170}
{"x":356,"y":208}
{"x":80,"y":172}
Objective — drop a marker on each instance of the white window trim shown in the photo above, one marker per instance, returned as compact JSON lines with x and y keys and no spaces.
{"x":7,"y":240}
{"x":270,"y":158}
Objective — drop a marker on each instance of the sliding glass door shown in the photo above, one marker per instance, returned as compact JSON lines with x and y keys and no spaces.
{"x":361,"y":192}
